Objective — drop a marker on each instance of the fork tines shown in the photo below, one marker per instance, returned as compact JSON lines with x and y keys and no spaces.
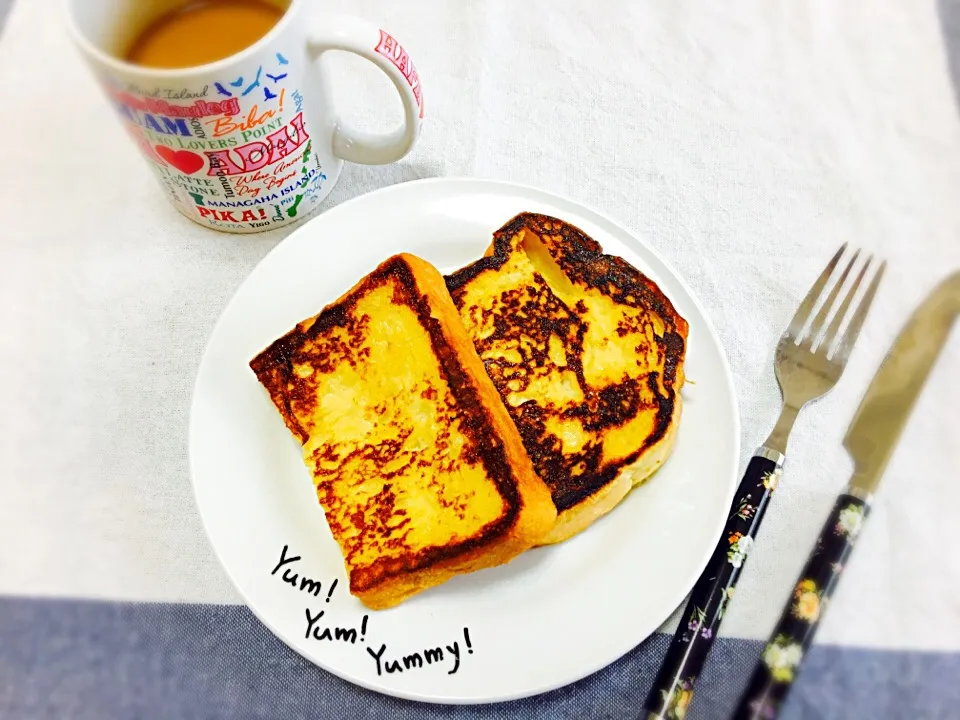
{"x":813,"y":332}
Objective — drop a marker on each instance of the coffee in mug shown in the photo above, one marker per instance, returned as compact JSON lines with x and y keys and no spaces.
{"x":183,"y":38}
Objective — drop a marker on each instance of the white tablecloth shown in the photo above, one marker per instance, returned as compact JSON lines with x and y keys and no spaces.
{"x":743,"y":142}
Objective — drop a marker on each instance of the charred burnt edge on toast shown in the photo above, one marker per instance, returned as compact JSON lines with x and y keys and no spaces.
{"x":582,"y":259}
{"x":274,"y":366}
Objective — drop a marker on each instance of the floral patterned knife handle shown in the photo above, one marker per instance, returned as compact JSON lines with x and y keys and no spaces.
{"x":673,"y":689}
{"x":779,"y":664}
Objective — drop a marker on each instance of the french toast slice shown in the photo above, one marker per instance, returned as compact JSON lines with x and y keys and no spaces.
{"x":419,"y":469}
{"x":587,"y":354}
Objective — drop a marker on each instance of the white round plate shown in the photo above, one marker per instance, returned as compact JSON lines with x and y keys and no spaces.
{"x":550,"y":617}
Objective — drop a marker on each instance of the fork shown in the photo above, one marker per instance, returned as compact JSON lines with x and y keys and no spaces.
{"x":808,"y":362}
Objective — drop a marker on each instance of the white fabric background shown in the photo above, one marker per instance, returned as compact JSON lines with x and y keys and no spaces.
{"x":744,"y":143}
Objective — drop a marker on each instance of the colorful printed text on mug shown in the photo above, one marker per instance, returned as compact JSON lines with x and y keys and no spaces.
{"x":239,"y":151}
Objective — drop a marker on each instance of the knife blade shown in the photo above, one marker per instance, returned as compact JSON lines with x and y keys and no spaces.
{"x":878,"y":422}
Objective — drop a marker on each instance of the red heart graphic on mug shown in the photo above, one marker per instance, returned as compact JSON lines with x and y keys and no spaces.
{"x":183,"y":160}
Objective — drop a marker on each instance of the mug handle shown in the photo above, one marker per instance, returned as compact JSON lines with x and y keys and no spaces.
{"x":379,"y":47}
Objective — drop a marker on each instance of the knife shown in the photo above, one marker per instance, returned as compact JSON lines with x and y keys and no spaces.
{"x":870,"y":440}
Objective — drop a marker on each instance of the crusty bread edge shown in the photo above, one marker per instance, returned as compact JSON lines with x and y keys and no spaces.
{"x":536,"y":513}
{"x":579,"y":517}
{"x":271,"y":365}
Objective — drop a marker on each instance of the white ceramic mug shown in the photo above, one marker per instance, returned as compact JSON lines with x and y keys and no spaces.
{"x":252,"y":141}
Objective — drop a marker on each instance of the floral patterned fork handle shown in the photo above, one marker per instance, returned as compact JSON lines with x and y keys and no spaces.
{"x":673,"y":689}
{"x":781,"y":658}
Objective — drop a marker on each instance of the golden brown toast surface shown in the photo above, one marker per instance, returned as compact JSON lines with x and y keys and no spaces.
{"x":415,"y":461}
{"x":586,"y":352}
